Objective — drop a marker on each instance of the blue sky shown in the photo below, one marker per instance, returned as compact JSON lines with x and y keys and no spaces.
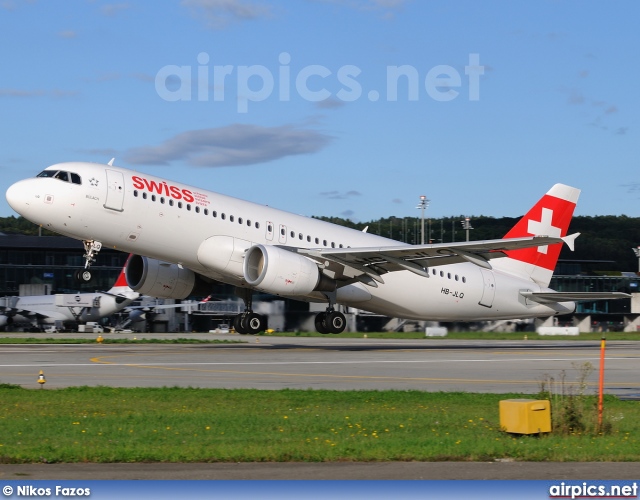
{"x":350,"y":108}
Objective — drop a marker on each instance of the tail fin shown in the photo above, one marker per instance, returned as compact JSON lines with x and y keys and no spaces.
{"x":550,"y":216}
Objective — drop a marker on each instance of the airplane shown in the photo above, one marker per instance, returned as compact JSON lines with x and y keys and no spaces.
{"x":148,"y":310}
{"x":40,"y":310}
{"x":184,"y":240}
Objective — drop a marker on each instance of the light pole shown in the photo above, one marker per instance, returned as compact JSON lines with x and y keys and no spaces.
{"x":637,"y":252}
{"x":424,"y":203}
{"x":466,"y":225}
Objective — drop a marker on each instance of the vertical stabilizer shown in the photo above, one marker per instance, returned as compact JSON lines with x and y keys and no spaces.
{"x":550,"y":216}
{"x":121,"y":287}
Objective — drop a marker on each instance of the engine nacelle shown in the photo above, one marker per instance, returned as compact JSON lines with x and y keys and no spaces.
{"x":281,"y":272}
{"x":161,"y":279}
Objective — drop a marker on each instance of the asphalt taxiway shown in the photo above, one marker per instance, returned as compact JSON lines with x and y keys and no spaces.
{"x":269,"y":362}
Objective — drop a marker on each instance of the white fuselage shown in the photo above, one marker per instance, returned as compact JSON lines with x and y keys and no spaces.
{"x":165,"y":220}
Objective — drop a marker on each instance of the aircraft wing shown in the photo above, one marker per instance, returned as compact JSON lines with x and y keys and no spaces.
{"x":549,"y":297}
{"x":13,"y":311}
{"x":374,"y":261}
{"x":32,"y":314}
{"x":154,"y":307}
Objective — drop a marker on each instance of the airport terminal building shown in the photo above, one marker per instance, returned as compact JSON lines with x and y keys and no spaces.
{"x":51,"y":261}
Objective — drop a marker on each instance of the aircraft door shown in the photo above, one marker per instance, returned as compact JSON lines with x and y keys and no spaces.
{"x":115,"y":191}
{"x":489,"y":288}
{"x":282,"y":235}
{"x":270,"y":231}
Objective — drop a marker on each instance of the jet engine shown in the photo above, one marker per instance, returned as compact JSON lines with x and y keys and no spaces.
{"x":274,"y":270}
{"x":163,"y":280}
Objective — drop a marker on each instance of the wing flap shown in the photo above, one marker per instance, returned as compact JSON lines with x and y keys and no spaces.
{"x":551,"y":297}
{"x":375,"y":261}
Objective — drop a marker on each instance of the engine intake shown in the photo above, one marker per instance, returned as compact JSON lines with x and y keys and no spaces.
{"x":274,"y":270}
{"x":162,"y":279}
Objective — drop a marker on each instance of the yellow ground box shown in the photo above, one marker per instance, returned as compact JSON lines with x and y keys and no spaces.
{"x":525,"y":416}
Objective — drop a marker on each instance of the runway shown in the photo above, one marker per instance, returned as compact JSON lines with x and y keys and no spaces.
{"x":327,"y":363}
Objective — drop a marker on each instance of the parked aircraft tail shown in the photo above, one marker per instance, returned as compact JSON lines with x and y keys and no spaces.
{"x":550,"y":216}
{"x":121,"y":287}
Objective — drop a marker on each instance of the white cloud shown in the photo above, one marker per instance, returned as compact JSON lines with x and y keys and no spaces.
{"x":21,"y":93}
{"x":337,"y":195}
{"x":219,"y":13}
{"x":113,"y":9}
{"x":234,"y":145}
{"x":330,"y":103}
{"x":13,"y":4}
{"x":67,"y":34}
{"x":387,"y":8}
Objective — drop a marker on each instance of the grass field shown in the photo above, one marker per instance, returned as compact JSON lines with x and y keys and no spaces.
{"x":101,"y":424}
{"x":67,"y":338}
{"x":113,"y":340}
{"x":468,"y":335}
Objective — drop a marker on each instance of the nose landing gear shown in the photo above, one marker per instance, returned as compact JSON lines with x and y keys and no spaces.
{"x":91,"y":249}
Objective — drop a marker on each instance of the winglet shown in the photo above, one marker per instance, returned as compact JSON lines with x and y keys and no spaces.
{"x":570,"y":240}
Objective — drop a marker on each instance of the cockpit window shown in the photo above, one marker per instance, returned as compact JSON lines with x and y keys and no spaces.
{"x":62,"y":175}
{"x":47,"y":173}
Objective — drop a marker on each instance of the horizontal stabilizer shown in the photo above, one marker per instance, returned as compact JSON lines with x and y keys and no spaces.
{"x":570,"y":240}
{"x":549,"y":297}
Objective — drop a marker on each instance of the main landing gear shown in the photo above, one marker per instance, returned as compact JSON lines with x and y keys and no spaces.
{"x":91,"y":249}
{"x":248,"y":321}
{"x":330,"y":321}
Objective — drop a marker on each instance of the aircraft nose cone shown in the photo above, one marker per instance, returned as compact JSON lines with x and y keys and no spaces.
{"x":19,"y":196}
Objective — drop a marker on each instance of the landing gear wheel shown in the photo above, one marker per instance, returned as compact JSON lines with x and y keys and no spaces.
{"x":320,"y":323}
{"x":91,"y":248}
{"x":253,"y":323}
{"x":335,"y":322}
{"x":83,"y":275}
{"x":237,"y":324}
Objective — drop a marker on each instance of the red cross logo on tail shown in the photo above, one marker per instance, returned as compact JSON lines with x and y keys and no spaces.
{"x":549,"y":217}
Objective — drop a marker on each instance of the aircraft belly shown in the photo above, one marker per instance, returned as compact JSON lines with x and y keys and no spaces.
{"x":437,"y":298}
{"x":407,"y":295}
